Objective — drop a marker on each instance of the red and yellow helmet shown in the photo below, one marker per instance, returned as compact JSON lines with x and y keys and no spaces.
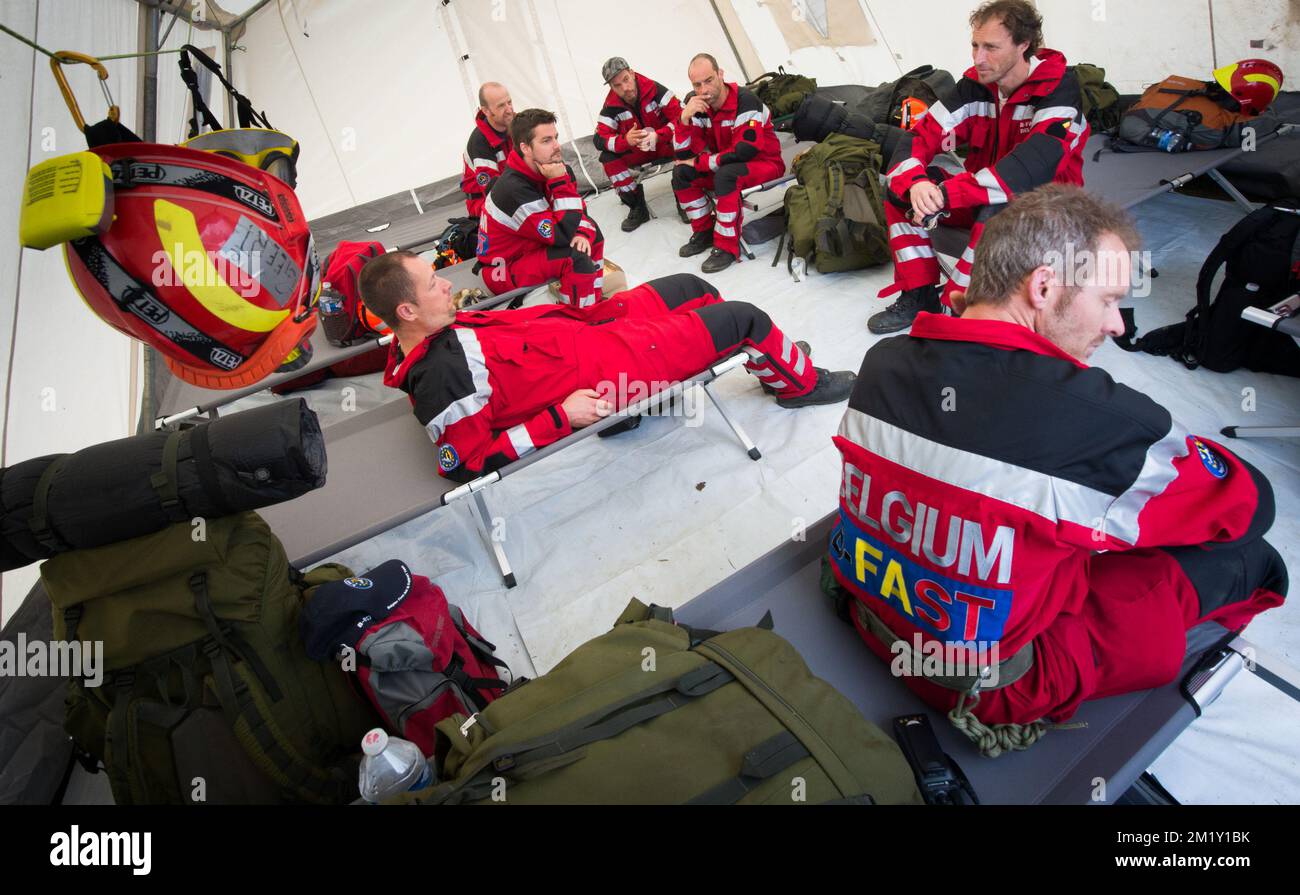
{"x":207,"y":259}
{"x":1254,"y":83}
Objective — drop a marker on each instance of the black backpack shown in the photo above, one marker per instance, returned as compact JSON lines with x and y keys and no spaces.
{"x":1262,"y":254}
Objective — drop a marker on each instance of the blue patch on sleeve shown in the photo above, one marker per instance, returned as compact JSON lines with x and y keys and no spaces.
{"x":1209,"y":459}
{"x":448,"y":459}
{"x":545,"y":227}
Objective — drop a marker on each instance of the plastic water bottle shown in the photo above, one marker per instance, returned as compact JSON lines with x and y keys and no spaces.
{"x":331,"y":302}
{"x":1168,"y":141}
{"x":391,"y":766}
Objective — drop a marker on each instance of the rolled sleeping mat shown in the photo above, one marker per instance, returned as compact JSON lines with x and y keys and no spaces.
{"x":139,"y":485}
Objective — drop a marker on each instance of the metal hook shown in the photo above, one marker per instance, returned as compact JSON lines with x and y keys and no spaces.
{"x":64,"y":57}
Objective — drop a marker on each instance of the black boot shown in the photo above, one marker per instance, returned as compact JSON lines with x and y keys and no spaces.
{"x":807,"y":352}
{"x":901,"y":313}
{"x":718,"y":260}
{"x":639,"y":212}
{"x":700,"y":242}
{"x":831,"y":388}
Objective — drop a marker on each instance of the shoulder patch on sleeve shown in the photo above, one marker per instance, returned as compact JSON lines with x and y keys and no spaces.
{"x":448,"y":459}
{"x":1212,"y":462}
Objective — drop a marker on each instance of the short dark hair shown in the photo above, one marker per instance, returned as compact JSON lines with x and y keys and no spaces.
{"x":698,"y":56}
{"x":527,"y":121}
{"x":1017,"y":16}
{"x":385,"y":283}
{"x":1035,"y":230}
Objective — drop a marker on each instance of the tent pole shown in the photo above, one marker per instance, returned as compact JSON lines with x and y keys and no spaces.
{"x":740,"y":60}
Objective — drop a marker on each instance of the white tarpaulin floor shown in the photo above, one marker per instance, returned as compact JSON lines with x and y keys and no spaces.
{"x":664,"y":512}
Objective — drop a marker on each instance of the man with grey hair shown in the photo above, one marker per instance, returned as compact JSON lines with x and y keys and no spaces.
{"x":1001,"y":496}
{"x":488,"y":145}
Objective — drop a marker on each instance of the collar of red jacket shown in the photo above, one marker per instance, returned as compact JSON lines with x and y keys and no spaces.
{"x":995,"y":333}
{"x":398,"y":366}
{"x":1042,"y":80}
{"x":516,"y":161}
{"x":645,"y":89}
{"x":494,"y":136}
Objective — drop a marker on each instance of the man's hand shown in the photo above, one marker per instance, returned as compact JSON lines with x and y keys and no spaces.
{"x":649,"y":142}
{"x":695,"y":106}
{"x":686,"y":161}
{"x":585,"y":407}
{"x":927,"y":199}
{"x":552,"y":170}
{"x":635,"y":136}
{"x":581,"y":244}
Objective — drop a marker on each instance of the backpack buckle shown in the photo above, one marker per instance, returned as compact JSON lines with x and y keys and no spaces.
{"x":469,"y":722}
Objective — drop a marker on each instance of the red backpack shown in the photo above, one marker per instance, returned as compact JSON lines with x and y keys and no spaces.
{"x":344,"y":318}
{"x":417,"y":658}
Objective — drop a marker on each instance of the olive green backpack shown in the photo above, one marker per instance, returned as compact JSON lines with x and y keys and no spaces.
{"x":1100,"y":98}
{"x":654,"y":713}
{"x":207,"y":693}
{"x":780,"y":92}
{"x":835,"y":214}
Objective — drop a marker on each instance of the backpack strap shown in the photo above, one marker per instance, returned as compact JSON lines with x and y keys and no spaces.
{"x":237,"y":703}
{"x":605,"y":723}
{"x":166,"y":481}
{"x":765,"y":760}
{"x":39,"y":524}
{"x":248,"y":117}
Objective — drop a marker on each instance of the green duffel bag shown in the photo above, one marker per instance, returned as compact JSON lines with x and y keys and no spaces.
{"x":207,"y":693}
{"x":836,"y":214}
{"x":654,"y":713}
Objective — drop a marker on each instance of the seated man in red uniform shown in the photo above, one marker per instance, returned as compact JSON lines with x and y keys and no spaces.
{"x":492,"y":386}
{"x":485,"y":151}
{"x":1020,"y":112}
{"x":724,"y":142}
{"x":635,"y":127}
{"x":534,"y":226}
{"x":1054,"y":532}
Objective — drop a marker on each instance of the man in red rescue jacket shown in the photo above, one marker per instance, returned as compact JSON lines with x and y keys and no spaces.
{"x":493,"y":386}
{"x":534,"y":226}
{"x":724,"y":142}
{"x":485,"y":153}
{"x":635,"y":127}
{"x":1021,"y":511}
{"x":1020,"y":113}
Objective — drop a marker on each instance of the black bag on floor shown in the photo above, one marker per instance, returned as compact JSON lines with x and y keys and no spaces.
{"x":139,"y":485}
{"x":1262,"y":254}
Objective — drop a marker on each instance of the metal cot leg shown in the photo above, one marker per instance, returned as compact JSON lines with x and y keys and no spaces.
{"x":484,"y":520}
{"x":749,"y":446}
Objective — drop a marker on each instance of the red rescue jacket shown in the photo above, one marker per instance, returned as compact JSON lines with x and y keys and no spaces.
{"x":741,"y":131}
{"x":485,"y":154}
{"x":1036,"y":136}
{"x":656,"y":107}
{"x":972,"y":514}
{"x":525,"y":212}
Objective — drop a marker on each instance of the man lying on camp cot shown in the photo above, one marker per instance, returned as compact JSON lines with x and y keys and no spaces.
{"x":1001,"y":496}
{"x":493,"y":386}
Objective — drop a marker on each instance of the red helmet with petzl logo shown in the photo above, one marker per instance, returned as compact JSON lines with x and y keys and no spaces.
{"x":1254,"y":83}
{"x":207,"y":259}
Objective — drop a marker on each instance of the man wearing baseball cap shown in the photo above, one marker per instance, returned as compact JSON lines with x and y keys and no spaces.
{"x":634,"y":127}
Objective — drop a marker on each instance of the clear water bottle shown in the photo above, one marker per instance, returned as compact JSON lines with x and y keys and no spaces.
{"x":1168,"y":141}
{"x":391,"y":766}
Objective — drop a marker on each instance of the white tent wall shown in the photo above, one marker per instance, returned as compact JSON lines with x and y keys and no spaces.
{"x":70,"y":380}
{"x":370,"y":95}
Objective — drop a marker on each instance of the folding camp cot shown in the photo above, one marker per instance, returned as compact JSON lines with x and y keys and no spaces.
{"x":1095,"y":764}
{"x":383,"y":472}
{"x":1128,"y":179}
{"x":182,"y":402}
